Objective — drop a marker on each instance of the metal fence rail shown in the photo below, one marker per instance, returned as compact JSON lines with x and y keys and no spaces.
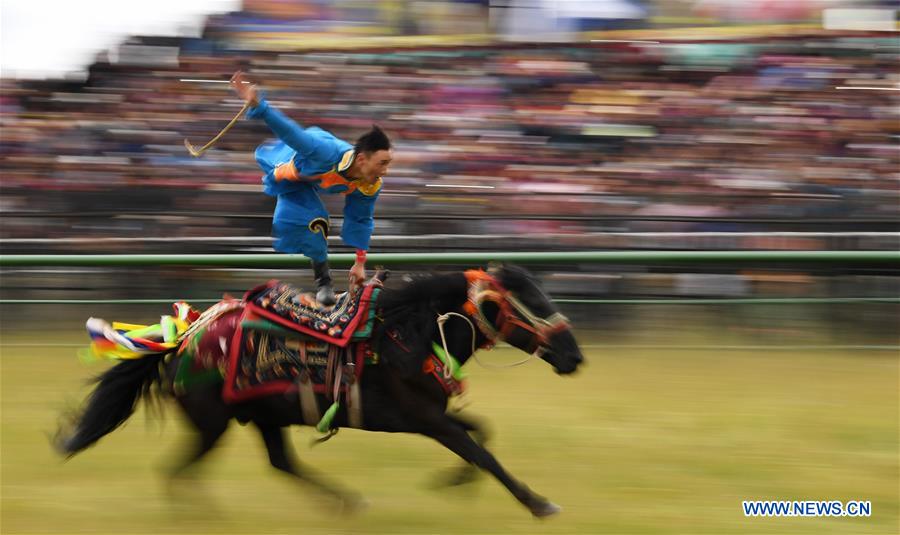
{"x":636,"y":301}
{"x":469,"y":258}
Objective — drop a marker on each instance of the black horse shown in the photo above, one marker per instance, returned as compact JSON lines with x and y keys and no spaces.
{"x":505,"y":303}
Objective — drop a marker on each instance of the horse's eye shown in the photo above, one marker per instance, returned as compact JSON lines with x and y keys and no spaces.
{"x":491,"y":310}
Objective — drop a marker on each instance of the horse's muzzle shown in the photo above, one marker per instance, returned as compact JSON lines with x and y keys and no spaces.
{"x":570,"y":367}
{"x":563,"y":353}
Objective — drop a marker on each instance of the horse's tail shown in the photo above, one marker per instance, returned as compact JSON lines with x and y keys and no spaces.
{"x":112,"y":401}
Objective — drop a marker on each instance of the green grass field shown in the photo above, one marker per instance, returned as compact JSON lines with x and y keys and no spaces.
{"x":639,"y":442}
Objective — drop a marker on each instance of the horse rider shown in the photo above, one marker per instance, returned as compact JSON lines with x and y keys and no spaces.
{"x":306,"y":161}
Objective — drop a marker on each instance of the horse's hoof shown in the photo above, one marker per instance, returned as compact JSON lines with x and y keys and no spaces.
{"x":353,"y":505}
{"x":545,"y":509}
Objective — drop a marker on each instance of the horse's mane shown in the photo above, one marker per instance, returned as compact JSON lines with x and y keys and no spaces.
{"x":408,"y":316}
{"x":514,"y":277}
{"x":432,"y":288}
{"x":525,"y":284}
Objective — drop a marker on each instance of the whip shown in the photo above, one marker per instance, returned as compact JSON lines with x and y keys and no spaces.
{"x":197,"y":152}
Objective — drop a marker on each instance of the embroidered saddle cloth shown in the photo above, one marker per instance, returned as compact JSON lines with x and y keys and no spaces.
{"x":288,"y":306}
{"x":267,"y":362}
{"x":283,"y":339}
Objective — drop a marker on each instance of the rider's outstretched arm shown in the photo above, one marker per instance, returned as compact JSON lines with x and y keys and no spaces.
{"x":288,"y":131}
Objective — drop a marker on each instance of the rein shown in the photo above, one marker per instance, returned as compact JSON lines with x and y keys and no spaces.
{"x":442,"y":319}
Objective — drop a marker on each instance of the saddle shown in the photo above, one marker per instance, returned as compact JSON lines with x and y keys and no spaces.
{"x":284,"y":343}
{"x":278,"y":306}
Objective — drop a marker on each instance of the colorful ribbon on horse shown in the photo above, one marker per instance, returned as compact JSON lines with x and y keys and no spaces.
{"x":132,"y":341}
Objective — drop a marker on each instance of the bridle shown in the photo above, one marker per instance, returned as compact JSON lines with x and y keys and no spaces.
{"x":482,"y":286}
{"x":514,"y":320}
{"x":514,"y":323}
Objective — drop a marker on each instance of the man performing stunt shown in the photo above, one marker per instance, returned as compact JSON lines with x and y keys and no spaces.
{"x":304,"y":162}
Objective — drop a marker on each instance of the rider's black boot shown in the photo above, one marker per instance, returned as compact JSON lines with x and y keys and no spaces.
{"x":324,"y":292}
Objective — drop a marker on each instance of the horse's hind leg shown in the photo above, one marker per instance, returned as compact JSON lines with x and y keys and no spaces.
{"x":210,"y":420}
{"x":210,"y":417}
{"x":207,"y":437}
{"x":281,"y":457}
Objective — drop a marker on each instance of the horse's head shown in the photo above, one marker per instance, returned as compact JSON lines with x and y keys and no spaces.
{"x":510,"y":304}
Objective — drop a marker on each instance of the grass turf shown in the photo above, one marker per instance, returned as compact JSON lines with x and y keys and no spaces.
{"x":638,"y":442}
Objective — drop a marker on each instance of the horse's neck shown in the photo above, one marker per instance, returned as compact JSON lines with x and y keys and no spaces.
{"x":460,"y":335}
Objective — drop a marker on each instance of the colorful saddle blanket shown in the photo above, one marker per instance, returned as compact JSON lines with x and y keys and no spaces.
{"x":284,"y":338}
{"x":264,"y":363}
{"x":264,"y":344}
{"x":205,"y":347}
{"x":288,"y":306}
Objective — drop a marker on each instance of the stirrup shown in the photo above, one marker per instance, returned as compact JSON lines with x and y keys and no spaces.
{"x":325,"y":296}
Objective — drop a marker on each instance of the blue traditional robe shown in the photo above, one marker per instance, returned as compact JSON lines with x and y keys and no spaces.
{"x":300,"y":164}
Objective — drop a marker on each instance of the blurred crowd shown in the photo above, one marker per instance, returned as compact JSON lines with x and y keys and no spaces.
{"x":495,"y":138}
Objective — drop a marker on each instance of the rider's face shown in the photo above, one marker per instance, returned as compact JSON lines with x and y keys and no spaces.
{"x":373,"y":165}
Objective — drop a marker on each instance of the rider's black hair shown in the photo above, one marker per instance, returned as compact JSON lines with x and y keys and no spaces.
{"x":373,"y":141}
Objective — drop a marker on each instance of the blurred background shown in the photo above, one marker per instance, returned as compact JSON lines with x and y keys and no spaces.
{"x":519,"y":125}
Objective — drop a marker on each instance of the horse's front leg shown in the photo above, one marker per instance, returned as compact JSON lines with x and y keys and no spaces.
{"x":468,"y":472}
{"x":454,"y":438}
{"x":281,"y":457}
{"x":426,"y":415}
